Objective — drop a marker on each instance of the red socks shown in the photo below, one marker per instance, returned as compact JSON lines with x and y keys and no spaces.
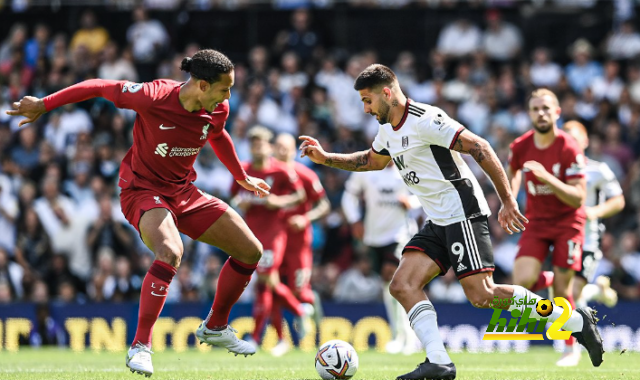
{"x":276,"y":318}
{"x":545,"y":280}
{"x":287,"y":299}
{"x":234,"y":277}
{"x":262,"y":307}
{"x":153,"y":294}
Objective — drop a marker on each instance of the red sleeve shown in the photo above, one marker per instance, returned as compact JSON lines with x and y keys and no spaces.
{"x":315,"y":190}
{"x":123,"y":94}
{"x":223,"y":146}
{"x":514,"y":157}
{"x":572,"y":160}
{"x":235,"y":188}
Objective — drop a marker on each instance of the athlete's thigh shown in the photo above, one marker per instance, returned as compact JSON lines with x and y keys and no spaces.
{"x":416,"y":269}
{"x":159,"y":232}
{"x":231,"y":234}
{"x":274,"y":242}
{"x":567,"y":249}
{"x":469,"y":247}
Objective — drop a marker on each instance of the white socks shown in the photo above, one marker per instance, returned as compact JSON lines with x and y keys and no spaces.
{"x":422,"y":317}
{"x":573,"y":324}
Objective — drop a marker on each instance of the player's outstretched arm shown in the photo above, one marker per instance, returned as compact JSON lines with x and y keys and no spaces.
{"x":363,"y":161}
{"x":509,"y":216}
{"x":32,"y":108}
{"x":573,"y":193}
{"x":609,"y":208}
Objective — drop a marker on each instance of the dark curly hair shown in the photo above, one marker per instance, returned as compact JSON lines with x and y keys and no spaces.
{"x":207,"y":65}
{"x":374,"y":76}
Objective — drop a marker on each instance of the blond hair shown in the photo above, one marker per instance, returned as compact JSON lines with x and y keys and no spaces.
{"x":540,"y":92}
{"x":259,"y":133}
{"x":575,"y":125}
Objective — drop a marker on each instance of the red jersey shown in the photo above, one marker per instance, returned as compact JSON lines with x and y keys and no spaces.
{"x":166,"y":137}
{"x":313,"y":189}
{"x":563,"y":159}
{"x":282,"y":180}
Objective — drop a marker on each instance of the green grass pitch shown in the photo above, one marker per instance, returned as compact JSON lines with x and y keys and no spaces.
{"x":537,"y":364}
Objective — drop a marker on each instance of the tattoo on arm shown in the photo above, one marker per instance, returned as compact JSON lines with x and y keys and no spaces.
{"x":355,"y":162}
{"x":475,"y":151}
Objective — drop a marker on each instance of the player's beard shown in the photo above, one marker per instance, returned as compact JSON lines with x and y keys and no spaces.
{"x":543,"y":129}
{"x":383,"y":113}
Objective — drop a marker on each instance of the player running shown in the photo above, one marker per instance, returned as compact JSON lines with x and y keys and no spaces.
{"x":604,"y":200}
{"x":553,"y":166}
{"x":388,"y":226}
{"x":174,"y":121}
{"x":424,"y":143}
{"x":298,"y":256}
{"x":266,"y":218}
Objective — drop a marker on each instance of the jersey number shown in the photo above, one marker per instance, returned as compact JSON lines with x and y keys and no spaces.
{"x":458,"y":250}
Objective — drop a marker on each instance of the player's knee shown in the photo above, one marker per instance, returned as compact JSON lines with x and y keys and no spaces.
{"x":250,"y":254}
{"x":400,"y":289}
{"x":170,"y":253}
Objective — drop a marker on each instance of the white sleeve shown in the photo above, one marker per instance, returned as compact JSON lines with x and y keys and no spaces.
{"x":438,"y":128}
{"x":611,"y":186}
{"x":378,"y":146}
{"x":351,"y":198}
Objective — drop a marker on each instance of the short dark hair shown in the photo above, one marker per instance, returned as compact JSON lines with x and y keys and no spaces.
{"x":207,"y":65}
{"x":374,"y":76}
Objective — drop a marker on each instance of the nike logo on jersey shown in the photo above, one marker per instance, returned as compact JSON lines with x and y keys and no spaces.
{"x":165,"y":128}
{"x":157,"y":295}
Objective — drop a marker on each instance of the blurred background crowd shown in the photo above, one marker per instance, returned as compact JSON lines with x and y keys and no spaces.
{"x":63,"y":236}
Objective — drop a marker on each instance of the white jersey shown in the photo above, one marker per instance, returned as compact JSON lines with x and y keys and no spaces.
{"x":420,"y":146}
{"x":386,"y":220}
{"x":601,"y":185}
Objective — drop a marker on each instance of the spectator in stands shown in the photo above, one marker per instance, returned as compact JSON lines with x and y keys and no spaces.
{"x":115,"y":66}
{"x":624,"y":43}
{"x":460,"y":38}
{"x":300,"y":37}
{"x":90,"y":35}
{"x":8,"y":214}
{"x":610,"y":85}
{"x":33,"y":248}
{"x":15,"y":40}
{"x":149,"y":41}
{"x":501,"y":41}
{"x":11,"y":276}
{"x":38,"y":45}
{"x":108,"y":232}
{"x":544,"y":72}
{"x":582,"y":71}
{"x":359,"y":284}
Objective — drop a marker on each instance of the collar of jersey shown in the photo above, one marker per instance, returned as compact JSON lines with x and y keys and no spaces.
{"x":404,"y":117}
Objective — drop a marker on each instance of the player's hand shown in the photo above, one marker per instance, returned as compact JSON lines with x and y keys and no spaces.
{"x":298,"y":222}
{"x":592,"y":214}
{"x":510,"y":218}
{"x":256,"y":185}
{"x":537,"y":169}
{"x":357,"y":230}
{"x":311,"y":147}
{"x":30,"y":107}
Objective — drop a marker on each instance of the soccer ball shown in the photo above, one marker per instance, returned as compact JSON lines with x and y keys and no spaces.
{"x":544,"y":308}
{"x":336,"y":359}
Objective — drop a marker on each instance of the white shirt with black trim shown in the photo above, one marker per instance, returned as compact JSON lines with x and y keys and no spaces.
{"x":420,"y":147}
{"x":601,"y":185}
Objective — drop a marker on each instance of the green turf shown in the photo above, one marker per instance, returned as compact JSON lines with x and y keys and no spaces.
{"x":534,"y":365}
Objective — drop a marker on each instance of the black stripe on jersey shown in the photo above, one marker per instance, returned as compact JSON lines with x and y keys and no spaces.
{"x":415,"y":114}
{"x":451,"y":173}
{"x":413,"y":107}
{"x":383,"y":152}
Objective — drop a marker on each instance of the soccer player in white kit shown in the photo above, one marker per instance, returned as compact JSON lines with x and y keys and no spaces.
{"x":387,"y":225}
{"x":425,"y":145}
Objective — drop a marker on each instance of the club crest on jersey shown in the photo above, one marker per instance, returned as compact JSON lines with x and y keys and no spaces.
{"x":556,"y":169}
{"x":405,"y":141}
{"x":131,"y":87}
{"x":205,"y":131}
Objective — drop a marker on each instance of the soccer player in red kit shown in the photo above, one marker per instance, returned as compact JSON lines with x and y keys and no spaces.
{"x":265,"y":217}
{"x":174,"y":121}
{"x":298,"y":256}
{"x":553,"y":167}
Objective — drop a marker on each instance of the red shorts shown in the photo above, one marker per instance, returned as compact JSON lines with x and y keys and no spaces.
{"x":567,"y":245}
{"x":193,"y":210}
{"x":273,"y":244}
{"x":298,"y":257}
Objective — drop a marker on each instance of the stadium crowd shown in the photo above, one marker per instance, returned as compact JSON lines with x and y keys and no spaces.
{"x":63,"y":236}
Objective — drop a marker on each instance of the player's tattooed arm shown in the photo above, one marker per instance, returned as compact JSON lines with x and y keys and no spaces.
{"x":474,"y":148}
{"x":357,"y":162}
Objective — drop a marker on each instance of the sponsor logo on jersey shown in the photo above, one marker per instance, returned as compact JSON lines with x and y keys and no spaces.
{"x":405,"y":141}
{"x":534,"y":189}
{"x":176,"y":151}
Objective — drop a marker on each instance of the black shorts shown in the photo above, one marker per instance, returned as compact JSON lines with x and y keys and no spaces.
{"x":382,"y":255}
{"x":590,"y":262}
{"x":465,"y":246}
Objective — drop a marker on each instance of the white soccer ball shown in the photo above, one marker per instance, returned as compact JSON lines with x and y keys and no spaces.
{"x":336,"y":359}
